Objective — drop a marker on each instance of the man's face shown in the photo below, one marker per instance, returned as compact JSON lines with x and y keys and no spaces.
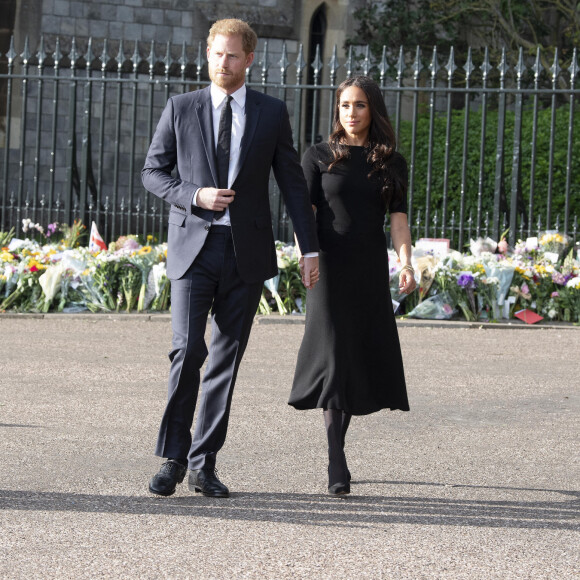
{"x":227,"y":62}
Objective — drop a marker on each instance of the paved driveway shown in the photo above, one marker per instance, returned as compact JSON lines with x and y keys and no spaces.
{"x":480,"y":480}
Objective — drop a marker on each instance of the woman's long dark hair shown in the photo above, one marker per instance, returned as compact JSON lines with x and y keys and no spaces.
{"x":382,"y":139}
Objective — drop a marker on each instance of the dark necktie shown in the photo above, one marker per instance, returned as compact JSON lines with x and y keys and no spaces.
{"x":223,"y":148}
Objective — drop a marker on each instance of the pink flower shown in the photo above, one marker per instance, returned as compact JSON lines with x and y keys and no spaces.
{"x":525,"y":288}
{"x":503,"y":246}
{"x":554,"y":295}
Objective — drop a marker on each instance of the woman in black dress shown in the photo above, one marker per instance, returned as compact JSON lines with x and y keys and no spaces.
{"x":350,"y":360}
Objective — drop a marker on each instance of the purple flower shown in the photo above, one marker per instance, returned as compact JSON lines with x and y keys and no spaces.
{"x":558,"y":278}
{"x":51,"y":229}
{"x":466,"y":281}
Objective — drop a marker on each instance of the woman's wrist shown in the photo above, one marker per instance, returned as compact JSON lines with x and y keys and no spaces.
{"x":408,"y":267}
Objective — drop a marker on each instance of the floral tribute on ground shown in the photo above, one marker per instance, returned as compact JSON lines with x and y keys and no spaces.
{"x":51,"y":271}
{"x":494,"y":281}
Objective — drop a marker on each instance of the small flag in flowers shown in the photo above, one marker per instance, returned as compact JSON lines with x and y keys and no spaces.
{"x":96,"y":243}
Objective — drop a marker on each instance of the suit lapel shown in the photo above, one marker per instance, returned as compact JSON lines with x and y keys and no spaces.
{"x":253,"y":110}
{"x":204,"y":115}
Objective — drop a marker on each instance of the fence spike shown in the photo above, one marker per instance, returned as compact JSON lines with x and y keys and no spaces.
{"x":317,"y":62}
{"x":333,"y":65}
{"x":151,"y":59}
{"x":183,"y":59}
{"x":555,"y":68}
{"x":520,"y":67}
{"x":451,"y":67}
{"x":349,"y":62}
{"x":168,"y":60}
{"x":469,"y":66}
{"x":41,"y":53}
{"x":284,"y":63}
{"x":384,"y":66}
{"x":400,"y":63}
{"x":537,"y":68}
{"x":89,"y":54}
{"x":25,"y":56}
{"x":417,"y":64}
{"x":367,"y":61}
{"x":136,"y":58}
{"x":199,"y":61}
{"x":120,"y":57}
{"x":573,"y":68}
{"x":11,"y":54}
{"x":57,"y":54}
{"x":73,"y":54}
{"x":104,"y":56}
{"x":264,"y":64}
{"x":300,"y":63}
{"x":434,"y":66}
{"x":502,"y":67}
{"x":485,"y":65}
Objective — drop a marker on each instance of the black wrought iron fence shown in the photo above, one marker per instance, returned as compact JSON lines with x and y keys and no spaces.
{"x":490,"y":148}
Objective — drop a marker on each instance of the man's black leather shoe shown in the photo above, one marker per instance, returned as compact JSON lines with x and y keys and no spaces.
{"x":206,"y":481}
{"x":165,"y":481}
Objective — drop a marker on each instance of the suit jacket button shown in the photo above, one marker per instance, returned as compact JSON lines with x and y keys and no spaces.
{"x":206,"y":228}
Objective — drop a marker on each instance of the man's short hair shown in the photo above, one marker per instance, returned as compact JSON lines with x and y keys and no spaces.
{"x":234,"y":27}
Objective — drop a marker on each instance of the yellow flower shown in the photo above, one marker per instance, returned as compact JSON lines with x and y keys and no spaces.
{"x":149,"y":237}
{"x":551,"y":238}
{"x":6,"y":257}
{"x":35,"y":265}
{"x":144,"y":250}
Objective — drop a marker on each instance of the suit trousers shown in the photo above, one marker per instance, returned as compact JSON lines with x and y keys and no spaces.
{"x":211,"y":283}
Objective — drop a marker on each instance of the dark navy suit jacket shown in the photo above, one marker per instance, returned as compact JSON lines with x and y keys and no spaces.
{"x":184,"y":141}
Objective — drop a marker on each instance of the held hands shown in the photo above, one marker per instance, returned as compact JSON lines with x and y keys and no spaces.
{"x":214,"y":199}
{"x":309,"y":271}
{"x":407,"y":281}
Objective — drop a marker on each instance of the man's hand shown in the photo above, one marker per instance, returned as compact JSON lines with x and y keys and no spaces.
{"x":309,"y":271}
{"x":214,"y":199}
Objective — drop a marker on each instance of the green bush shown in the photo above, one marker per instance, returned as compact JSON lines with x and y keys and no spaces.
{"x":473,"y":162}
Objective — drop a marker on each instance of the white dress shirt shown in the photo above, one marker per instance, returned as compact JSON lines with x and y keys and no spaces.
{"x":238,"y":104}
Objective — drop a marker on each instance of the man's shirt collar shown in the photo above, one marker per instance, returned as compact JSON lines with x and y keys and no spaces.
{"x":218,"y":96}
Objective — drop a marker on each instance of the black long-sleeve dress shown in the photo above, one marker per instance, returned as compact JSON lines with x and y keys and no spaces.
{"x":350,"y":357}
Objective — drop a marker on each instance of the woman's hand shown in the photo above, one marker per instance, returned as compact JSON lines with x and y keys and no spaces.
{"x":407,"y":281}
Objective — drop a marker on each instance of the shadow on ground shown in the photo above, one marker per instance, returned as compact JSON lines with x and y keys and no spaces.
{"x":313,"y":509}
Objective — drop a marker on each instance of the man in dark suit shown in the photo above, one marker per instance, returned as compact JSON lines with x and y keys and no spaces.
{"x":223,"y":141}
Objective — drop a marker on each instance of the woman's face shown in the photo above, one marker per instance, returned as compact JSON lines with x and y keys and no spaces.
{"x":354,"y":115}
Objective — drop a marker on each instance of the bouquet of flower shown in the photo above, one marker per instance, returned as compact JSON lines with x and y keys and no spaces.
{"x":438,"y":307}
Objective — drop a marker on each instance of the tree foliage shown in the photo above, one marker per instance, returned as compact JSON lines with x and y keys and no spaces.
{"x":548,"y":24}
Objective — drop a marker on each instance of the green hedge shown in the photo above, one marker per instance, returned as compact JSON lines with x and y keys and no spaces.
{"x":474,"y":143}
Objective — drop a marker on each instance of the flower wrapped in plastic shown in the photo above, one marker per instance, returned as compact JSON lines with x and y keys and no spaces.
{"x":553,"y":244}
{"x":50,"y":282}
{"x":161,"y":286}
{"x":503,"y":272}
{"x":437,"y":307}
{"x":482,"y":245}
{"x":467,"y":303}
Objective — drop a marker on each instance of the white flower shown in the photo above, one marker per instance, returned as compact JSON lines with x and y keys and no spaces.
{"x":574,"y":283}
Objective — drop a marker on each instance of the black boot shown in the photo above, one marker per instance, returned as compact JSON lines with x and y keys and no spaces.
{"x":338,"y":483}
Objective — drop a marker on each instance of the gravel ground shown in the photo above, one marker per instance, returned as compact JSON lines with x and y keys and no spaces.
{"x":479,"y":481}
